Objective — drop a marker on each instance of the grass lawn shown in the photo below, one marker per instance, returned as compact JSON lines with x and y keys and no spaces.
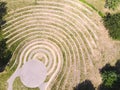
{"x":17,"y":85}
{"x":16,"y":4}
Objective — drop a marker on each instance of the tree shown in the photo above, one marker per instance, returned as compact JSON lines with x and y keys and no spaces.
{"x":112,"y":4}
{"x":112,"y":23}
{"x":5,"y":53}
{"x":110,"y":77}
{"x":3,"y":12}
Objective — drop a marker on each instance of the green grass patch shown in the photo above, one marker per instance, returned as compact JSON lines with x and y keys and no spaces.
{"x":3,"y":78}
{"x":17,"y":85}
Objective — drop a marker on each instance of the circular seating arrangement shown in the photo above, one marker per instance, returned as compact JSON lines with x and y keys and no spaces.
{"x":61,"y":34}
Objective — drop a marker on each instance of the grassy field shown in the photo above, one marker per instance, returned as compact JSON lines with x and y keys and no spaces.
{"x":17,"y":85}
{"x":68,"y":33}
{"x":16,"y":4}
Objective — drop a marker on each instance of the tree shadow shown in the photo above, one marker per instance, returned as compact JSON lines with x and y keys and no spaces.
{"x":107,"y":67}
{"x":85,"y":85}
{"x":117,"y":66}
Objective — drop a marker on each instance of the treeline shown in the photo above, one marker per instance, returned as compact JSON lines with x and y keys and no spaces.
{"x":3,"y":12}
{"x":112,"y":4}
{"x":112,"y":23}
{"x":5,"y":53}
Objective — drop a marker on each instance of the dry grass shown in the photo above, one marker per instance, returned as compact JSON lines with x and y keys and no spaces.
{"x":15,"y":4}
{"x":107,"y":50}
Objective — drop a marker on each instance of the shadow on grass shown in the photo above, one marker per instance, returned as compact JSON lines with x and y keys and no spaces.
{"x":85,"y":85}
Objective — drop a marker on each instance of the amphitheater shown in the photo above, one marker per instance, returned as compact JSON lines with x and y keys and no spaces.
{"x":67,"y":36}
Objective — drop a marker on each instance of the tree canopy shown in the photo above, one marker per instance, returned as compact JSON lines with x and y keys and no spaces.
{"x":5,"y":53}
{"x":112,"y":4}
{"x":112,"y":23}
{"x":110,"y":77}
{"x":3,"y":11}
